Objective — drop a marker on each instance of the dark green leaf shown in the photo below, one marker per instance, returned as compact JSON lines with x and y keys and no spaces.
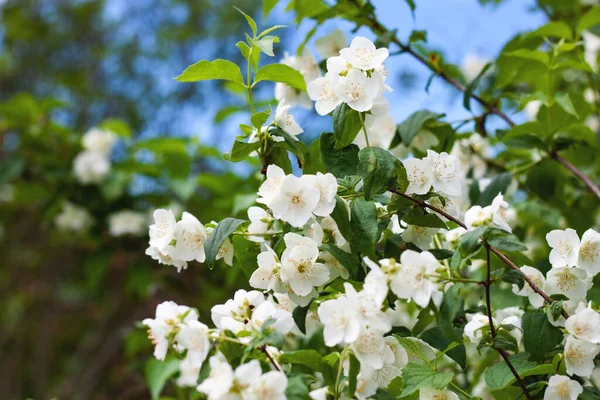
{"x":217,"y":237}
{"x":299,"y":315}
{"x":380,"y":170}
{"x":309,"y":358}
{"x":411,"y":126}
{"x":348,"y":261}
{"x":436,"y":338}
{"x":473,"y":85}
{"x":498,"y":185}
{"x":539,"y":335}
{"x":365,"y":231}
{"x":417,"y":376}
{"x":340,"y":162}
{"x":346,"y":125}
{"x":419,"y":217}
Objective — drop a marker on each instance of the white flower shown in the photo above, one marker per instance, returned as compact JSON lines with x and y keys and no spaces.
{"x":365,"y":385}
{"x":188,"y":374}
{"x":271,"y":385}
{"x":499,"y":209}
{"x":295,"y":201}
{"x":532,"y":108}
{"x":99,"y":140}
{"x":260,"y":223}
{"x":526,"y":291}
{"x":331,"y":228}
{"x":420,"y":236}
{"x":561,"y":387}
{"x":363,"y":54}
{"x":592,"y":47}
{"x":319,"y":394}
{"x":477,"y":216}
{"x":572,"y":282}
{"x":321,"y":90}
{"x":193,"y":336}
{"x":357,"y":90}
{"x":411,"y":282}
{"x":472,"y":65}
{"x":169,"y":316}
{"x":446,"y":177}
{"x":584,"y":324}
{"x":453,"y":235}
{"x":73,"y":218}
{"x":167,"y":257}
{"x":299,"y":266}
{"x":368,"y":348}
{"x":327,"y":185}
{"x":286,"y":121}
{"x":225,"y":384}
{"x":579,"y":356}
{"x":285,"y":94}
{"x":226,"y":252}
{"x":190,"y":235}
{"x":162,"y":232}
{"x":380,"y":130}
{"x":565,"y":247}
{"x":473,"y":328}
{"x":283,"y":321}
{"x":91,"y":167}
{"x":420,"y":176}
{"x":270,"y":187}
{"x":435,"y":394}
{"x":340,"y":319}
{"x":305,"y":63}
{"x":589,"y":252}
{"x":368,"y":302}
{"x":236,"y":313}
{"x":266,"y":276}
{"x":330,"y":45}
{"x":126,"y":222}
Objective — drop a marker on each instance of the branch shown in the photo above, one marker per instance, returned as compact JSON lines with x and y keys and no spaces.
{"x":488,"y":302}
{"x":506,"y":260}
{"x":379,"y":29}
{"x":263,"y":348}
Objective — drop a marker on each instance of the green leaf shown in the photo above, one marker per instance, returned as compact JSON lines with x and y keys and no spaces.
{"x":251,"y":22}
{"x":533,"y":55}
{"x":590,"y":19}
{"x":341,"y":216}
{"x":395,"y":387}
{"x":347,"y":260}
{"x":340,"y":162}
{"x":209,"y":70}
{"x":346,"y":125}
{"x":296,"y":389}
{"x":473,"y":85}
{"x":413,"y":124}
{"x":499,"y":375}
{"x":245,"y":50}
{"x":418,"y":36}
{"x":268,"y":5}
{"x":558,"y":29}
{"x":563,"y":100}
{"x":118,"y":126}
{"x":505,"y":241}
{"x":418,"y":376}
{"x":380,"y":170}
{"x":217,"y":237}
{"x":299,"y":315}
{"x":258,"y":119}
{"x":412,"y":347}
{"x":539,"y":335}
{"x":436,"y":338}
{"x":271,"y":29}
{"x":265,"y":44}
{"x":157,"y":373}
{"x":451,"y":309}
{"x":420,"y":217}
{"x":365,"y":231}
{"x":241,"y":150}
{"x":498,"y":185}
{"x":353,"y":374}
{"x":468,"y":242}
{"x":312,"y":158}
{"x":309,"y":358}
{"x":281,"y":73}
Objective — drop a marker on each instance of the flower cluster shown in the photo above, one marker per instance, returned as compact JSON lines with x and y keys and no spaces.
{"x":495,"y":215}
{"x":92,"y":165}
{"x":127,"y":222}
{"x":178,"y":242}
{"x":440,"y":171}
{"x":73,"y":218}
{"x":295,"y":200}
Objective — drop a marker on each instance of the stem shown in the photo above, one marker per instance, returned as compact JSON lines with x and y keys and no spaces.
{"x":263,"y":348}
{"x":364,"y":129}
{"x":515,"y":373}
{"x":378,"y":28}
{"x":501,"y":256}
{"x":248,"y":85}
{"x":459,"y":390}
{"x":458,"y":280}
{"x":266,"y":234}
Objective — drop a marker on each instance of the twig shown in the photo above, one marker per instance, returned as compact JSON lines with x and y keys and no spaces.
{"x":506,"y":260}
{"x":263,"y":348}
{"x":378,"y":28}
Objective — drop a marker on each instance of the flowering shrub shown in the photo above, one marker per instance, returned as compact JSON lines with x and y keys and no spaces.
{"x":391,"y":263}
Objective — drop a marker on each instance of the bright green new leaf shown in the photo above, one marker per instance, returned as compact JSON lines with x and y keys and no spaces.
{"x":281,"y":73}
{"x":251,"y":21}
{"x":590,"y":19}
{"x":209,"y":70}
{"x":157,"y":373}
{"x":258,"y":119}
{"x":309,"y":358}
{"x":563,"y":100}
{"x":241,"y":150}
{"x":533,"y":55}
{"x":268,"y":5}
{"x":417,"y":376}
{"x":265,"y":44}
{"x":558,"y":29}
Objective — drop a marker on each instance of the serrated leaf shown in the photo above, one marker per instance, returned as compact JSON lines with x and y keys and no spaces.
{"x":539,"y":335}
{"x":365,"y":231}
{"x":412,"y":347}
{"x":340,"y":162}
{"x":417,"y":376}
{"x":499,"y":375}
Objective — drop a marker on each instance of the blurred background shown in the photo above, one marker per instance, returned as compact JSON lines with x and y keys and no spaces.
{"x":72,"y":287}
